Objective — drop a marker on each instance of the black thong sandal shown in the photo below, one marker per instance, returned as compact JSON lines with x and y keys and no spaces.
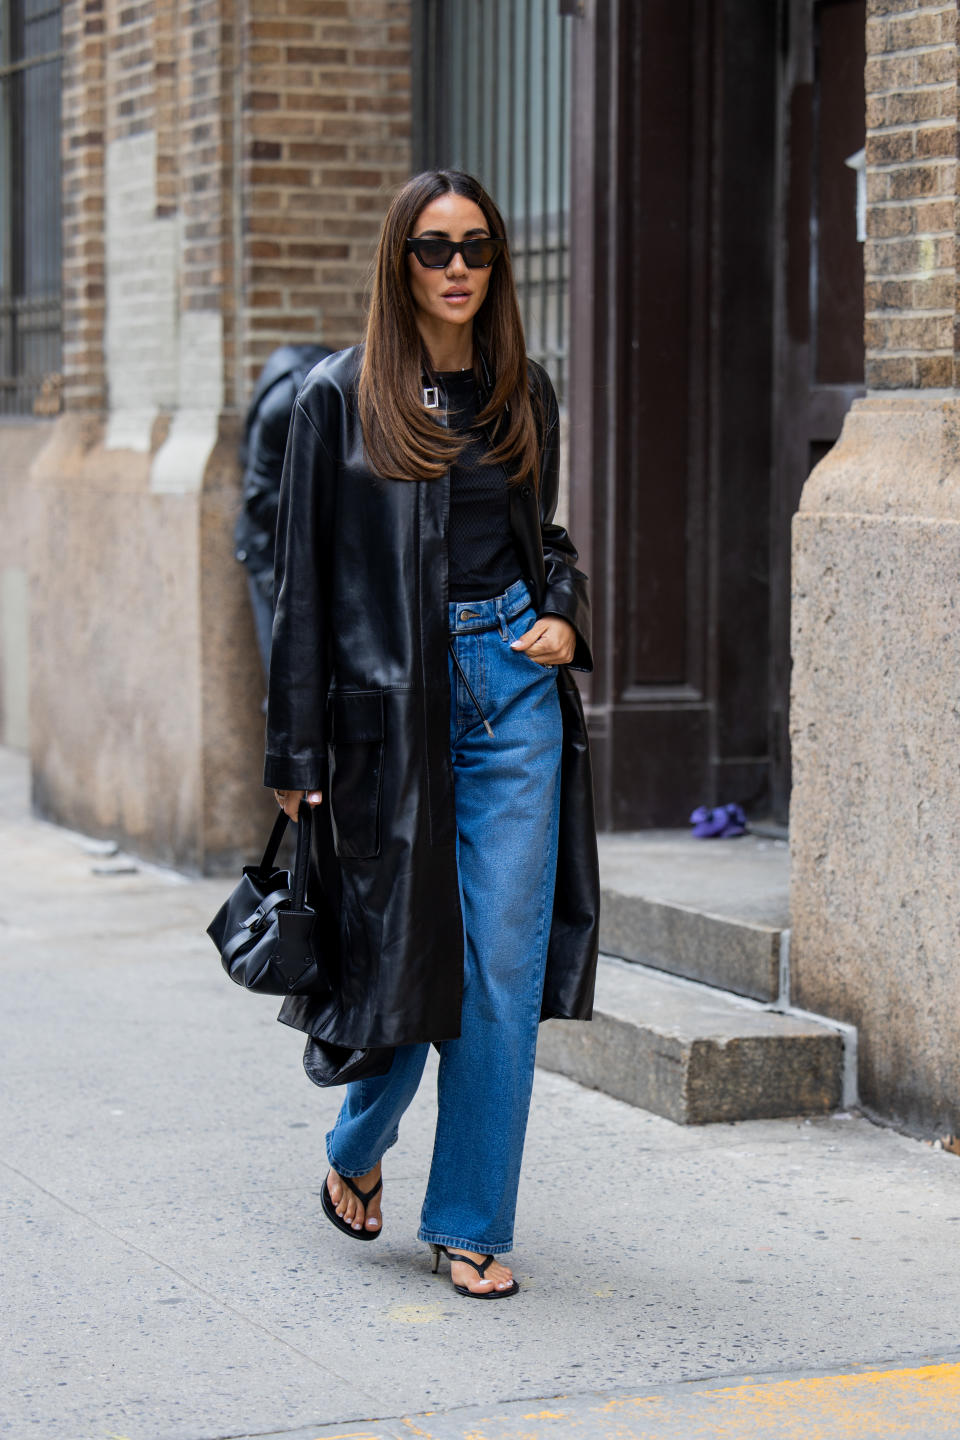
{"x":481,"y":1268}
{"x":364,"y":1196}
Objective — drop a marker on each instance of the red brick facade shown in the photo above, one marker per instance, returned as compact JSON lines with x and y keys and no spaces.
{"x":326,"y":138}
{"x":280,"y":130}
{"x":911,"y":85}
{"x":84,"y":122}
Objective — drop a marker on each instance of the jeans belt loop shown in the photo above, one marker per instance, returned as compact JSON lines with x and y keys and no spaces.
{"x":502,"y":618}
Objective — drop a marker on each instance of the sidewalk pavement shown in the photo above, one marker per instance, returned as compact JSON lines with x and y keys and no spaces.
{"x":166,"y":1272}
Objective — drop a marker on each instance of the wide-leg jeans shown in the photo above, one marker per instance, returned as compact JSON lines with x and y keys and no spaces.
{"x":507,"y":797}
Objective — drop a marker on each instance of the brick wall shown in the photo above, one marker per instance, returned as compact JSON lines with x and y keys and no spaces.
{"x":226,"y":167}
{"x":911,"y":86}
{"x":327,"y":127}
{"x":84,"y":119}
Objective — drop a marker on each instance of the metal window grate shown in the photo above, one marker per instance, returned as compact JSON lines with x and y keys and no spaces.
{"x":30,"y":63}
{"x":492,"y":96}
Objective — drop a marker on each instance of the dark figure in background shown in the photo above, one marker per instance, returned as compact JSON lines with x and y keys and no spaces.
{"x":261,"y":455}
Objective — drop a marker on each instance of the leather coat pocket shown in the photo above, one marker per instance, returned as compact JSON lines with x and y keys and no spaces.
{"x":356,"y":773}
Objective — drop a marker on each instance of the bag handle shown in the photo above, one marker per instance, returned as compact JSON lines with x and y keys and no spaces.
{"x":302,"y":861}
{"x":273,"y":844}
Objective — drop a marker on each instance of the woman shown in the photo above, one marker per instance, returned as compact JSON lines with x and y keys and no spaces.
{"x":427,"y":609}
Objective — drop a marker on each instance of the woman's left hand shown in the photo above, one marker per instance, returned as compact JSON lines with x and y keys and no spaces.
{"x":550,"y":641}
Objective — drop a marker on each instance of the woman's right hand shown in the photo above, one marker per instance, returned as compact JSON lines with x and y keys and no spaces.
{"x":289,"y":801}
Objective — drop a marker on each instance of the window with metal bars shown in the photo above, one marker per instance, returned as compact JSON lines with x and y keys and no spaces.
{"x":491,"y":88}
{"x":29,"y":206}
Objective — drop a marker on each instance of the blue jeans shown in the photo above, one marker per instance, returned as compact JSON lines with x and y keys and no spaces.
{"x":507,"y":796}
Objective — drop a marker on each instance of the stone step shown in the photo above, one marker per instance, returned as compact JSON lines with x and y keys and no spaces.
{"x":695,"y":1054}
{"x":709,"y":910}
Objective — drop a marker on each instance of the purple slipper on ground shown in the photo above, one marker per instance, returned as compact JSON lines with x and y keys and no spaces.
{"x":723,"y":823}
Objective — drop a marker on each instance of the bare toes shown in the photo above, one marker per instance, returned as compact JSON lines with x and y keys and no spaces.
{"x":346,"y":1205}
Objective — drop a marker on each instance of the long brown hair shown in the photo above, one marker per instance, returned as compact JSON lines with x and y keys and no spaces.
{"x":402,"y":439}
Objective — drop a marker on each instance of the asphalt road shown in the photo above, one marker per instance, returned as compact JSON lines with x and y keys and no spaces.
{"x":166,"y":1272}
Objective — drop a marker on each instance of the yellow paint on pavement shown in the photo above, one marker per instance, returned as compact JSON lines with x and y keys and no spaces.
{"x":913,"y":1403}
{"x":922,"y":1402}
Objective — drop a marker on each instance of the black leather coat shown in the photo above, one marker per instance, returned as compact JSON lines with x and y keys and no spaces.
{"x":359,"y":707}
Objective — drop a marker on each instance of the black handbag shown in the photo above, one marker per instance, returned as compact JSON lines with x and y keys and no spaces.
{"x":267,"y":935}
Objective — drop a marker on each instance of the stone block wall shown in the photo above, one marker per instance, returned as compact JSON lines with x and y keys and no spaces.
{"x":21,"y":441}
{"x":875,"y":716}
{"x":226,"y":165}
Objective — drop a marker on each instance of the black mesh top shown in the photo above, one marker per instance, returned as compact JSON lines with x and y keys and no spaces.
{"x":483,"y":559}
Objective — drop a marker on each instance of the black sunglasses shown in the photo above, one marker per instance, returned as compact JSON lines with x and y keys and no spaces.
{"x":435,"y":253}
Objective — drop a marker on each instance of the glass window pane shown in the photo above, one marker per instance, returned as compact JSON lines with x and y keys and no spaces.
{"x":30,"y":242}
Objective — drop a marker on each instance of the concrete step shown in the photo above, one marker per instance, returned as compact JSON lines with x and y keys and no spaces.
{"x":695,"y":1054}
{"x":709,"y":910}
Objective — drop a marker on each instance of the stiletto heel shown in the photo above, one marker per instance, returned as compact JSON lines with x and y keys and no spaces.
{"x":481,"y":1268}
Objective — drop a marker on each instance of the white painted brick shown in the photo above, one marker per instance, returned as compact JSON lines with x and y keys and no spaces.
{"x":141,"y":338}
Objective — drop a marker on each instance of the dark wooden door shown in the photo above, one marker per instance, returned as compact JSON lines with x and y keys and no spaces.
{"x":819,"y":330}
{"x":717,"y":316}
{"x":671,"y":357}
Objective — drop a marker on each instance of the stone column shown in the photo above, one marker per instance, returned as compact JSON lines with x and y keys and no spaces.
{"x":875,"y":813}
